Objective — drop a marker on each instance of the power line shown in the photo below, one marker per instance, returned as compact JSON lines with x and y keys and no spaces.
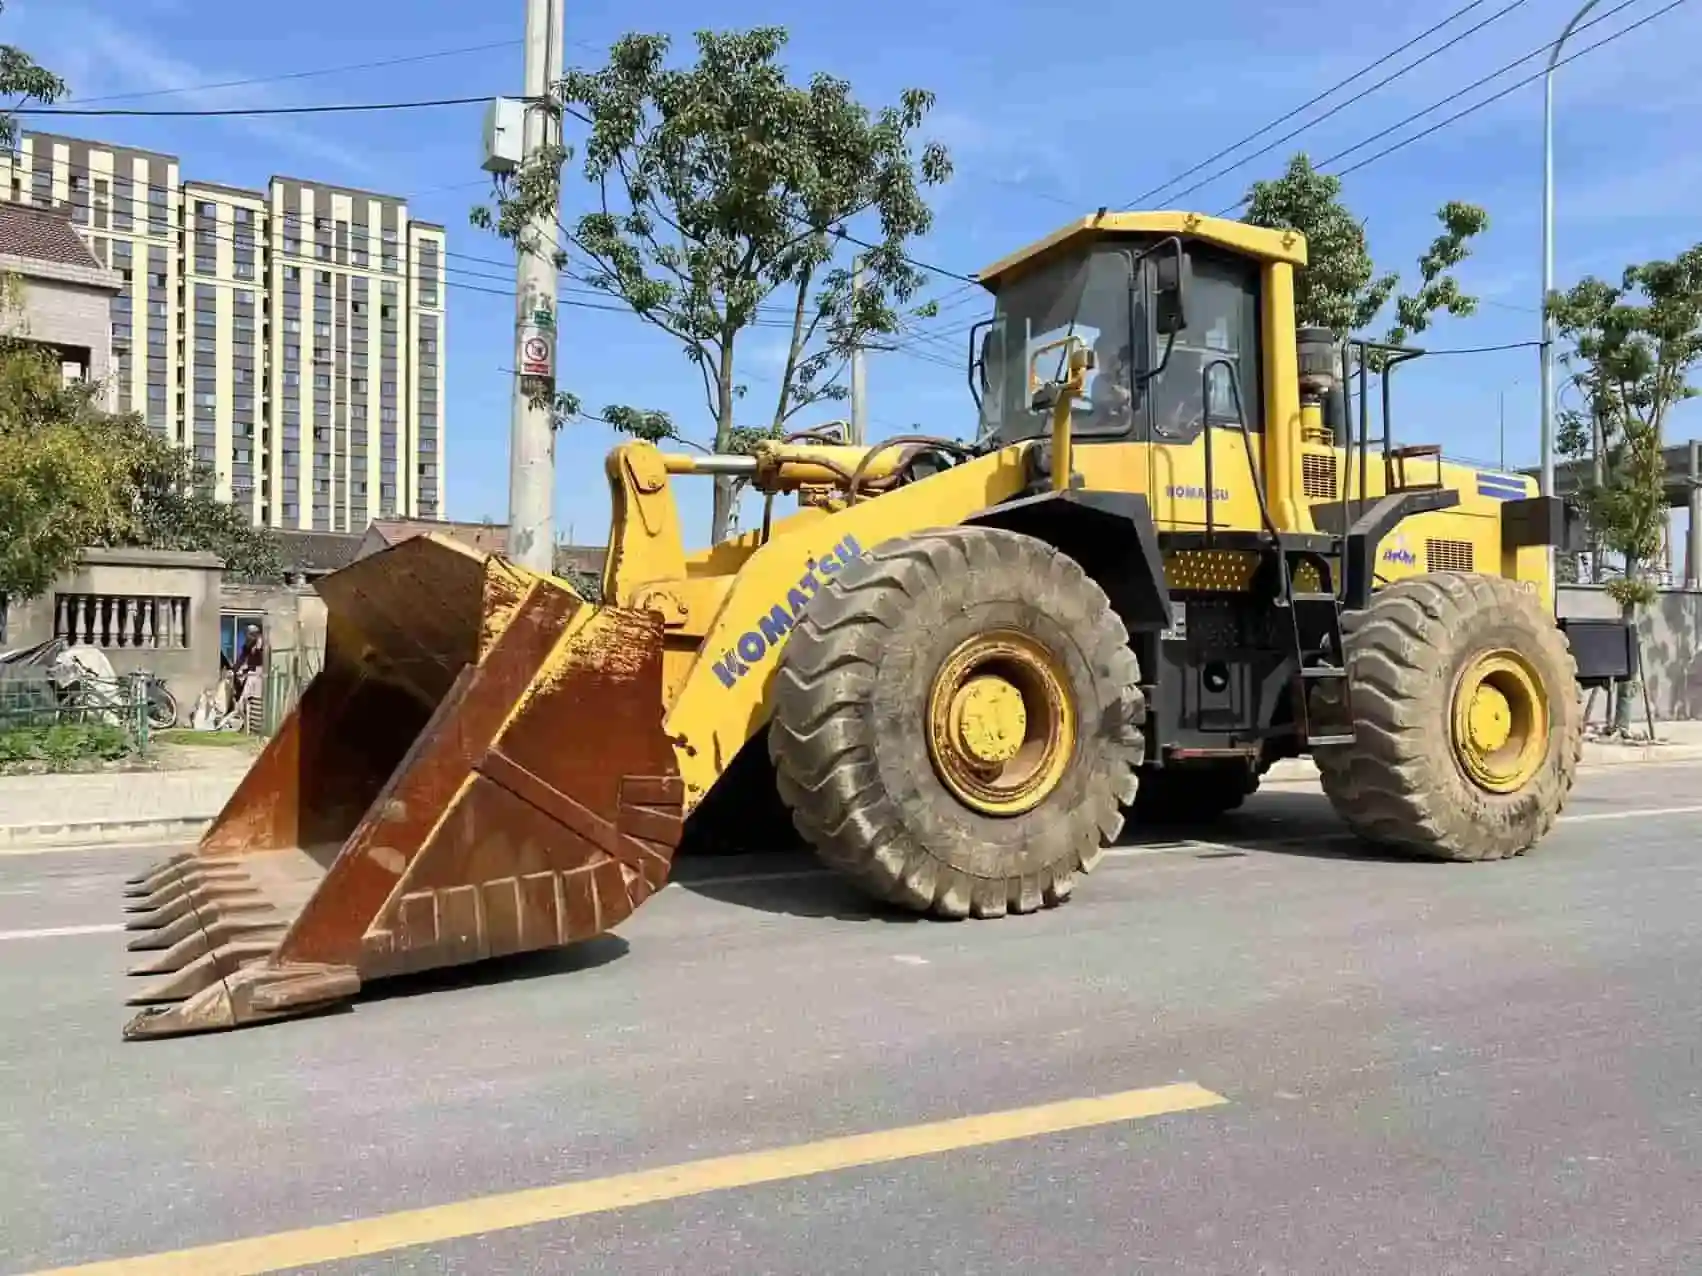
{"x":327,"y":108}
{"x":1529,"y":79}
{"x":1343,"y":105}
{"x":1456,"y":94}
{"x":1336,"y":87}
{"x":303,"y":75}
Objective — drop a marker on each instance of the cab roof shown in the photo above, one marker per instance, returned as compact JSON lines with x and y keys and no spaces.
{"x":1238,"y":237}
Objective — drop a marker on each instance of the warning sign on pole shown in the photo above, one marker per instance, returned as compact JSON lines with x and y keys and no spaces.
{"x":537,"y":354}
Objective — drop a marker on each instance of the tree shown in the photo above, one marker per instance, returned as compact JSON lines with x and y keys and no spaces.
{"x":73,"y":475}
{"x":720,"y":186}
{"x":21,"y":81}
{"x":1634,"y":346}
{"x":1340,"y":288}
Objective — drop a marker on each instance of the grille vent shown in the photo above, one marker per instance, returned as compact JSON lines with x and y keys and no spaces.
{"x":1448,"y":556}
{"x":1318,"y":476}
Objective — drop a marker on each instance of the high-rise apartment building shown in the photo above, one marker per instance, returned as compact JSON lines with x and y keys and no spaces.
{"x":292,"y":337}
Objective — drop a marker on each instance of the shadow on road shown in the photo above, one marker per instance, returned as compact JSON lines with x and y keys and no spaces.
{"x":502,"y":970}
{"x":791,"y":882}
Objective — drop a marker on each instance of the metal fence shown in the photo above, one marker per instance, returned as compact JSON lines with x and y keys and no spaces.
{"x":288,"y":671}
{"x":33,"y":707}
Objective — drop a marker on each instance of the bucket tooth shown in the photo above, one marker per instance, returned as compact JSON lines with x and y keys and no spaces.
{"x":193,"y":923}
{"x":168,"y":863}
{"x":219,"y":888}
{"x":258,"y":992}
{"x":202,"y":973}
{"x":197,"y":901}
{"x":204,"y":939}
{"x":194,"y":874}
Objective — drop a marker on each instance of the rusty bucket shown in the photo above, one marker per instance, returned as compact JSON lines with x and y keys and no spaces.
{"x":479,"y":769}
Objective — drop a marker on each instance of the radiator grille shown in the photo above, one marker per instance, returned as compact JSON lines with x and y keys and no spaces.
{"x":1448,"y":556}
{"x":1318,"y":476}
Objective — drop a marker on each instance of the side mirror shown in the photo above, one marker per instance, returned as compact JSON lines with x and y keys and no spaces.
{"x":991,"y":352}
{"x":1170,"y":270}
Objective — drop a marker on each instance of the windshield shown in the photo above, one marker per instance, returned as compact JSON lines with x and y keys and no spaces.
{"x":1086,"y":298}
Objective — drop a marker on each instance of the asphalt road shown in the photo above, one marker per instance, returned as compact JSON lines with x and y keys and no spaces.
{"x":1424,"y":1068}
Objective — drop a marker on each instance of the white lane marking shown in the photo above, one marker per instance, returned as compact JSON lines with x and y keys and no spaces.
{"x":1115,"y":852}
{"x":58,"y":932}
{"x":1644,"y":812}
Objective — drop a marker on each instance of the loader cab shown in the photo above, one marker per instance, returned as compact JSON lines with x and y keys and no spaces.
{"x":1156,"y":310}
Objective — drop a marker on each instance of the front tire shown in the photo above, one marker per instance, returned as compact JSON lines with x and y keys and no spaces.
{"x":1468,"y":720}
{"x":931,"y":635}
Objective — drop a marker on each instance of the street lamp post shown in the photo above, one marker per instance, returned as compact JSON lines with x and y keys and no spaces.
{"x":1546,"y":481}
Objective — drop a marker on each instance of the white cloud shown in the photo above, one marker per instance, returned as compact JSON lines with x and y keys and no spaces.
{"x":119,"y":59}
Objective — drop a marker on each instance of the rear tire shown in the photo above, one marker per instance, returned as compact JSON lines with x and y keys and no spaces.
{"x":854,"y":744}
{"x":1408,"y":783}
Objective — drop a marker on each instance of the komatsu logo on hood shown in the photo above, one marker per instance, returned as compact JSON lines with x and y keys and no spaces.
{"x":755,"y":645}
{"x":1398,"y":552}
{"x":1193,"y":492}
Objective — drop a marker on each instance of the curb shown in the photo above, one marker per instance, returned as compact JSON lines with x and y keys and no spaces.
{"x":185,"y":828}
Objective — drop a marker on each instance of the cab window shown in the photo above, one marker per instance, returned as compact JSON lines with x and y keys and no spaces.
{"x":1223,"y":324}
{"x":1083,"y":300}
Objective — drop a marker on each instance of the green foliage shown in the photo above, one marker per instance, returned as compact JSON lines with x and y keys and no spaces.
{"x":1634,"y":346}
{"x":175,"y":509}
{"x":64,"y":745}
{"x":1340,"y":288}
{"x":720,"y":188}
{"x":21,"y":81}
{"x":73,"y":475}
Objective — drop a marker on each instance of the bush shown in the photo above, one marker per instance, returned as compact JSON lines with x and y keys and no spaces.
{"x":61,"y":746}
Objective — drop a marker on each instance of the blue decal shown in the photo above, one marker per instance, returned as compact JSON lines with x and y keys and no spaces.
{"x":753,"y":645}
{"x":1398,"y":552}
{"x":1501,"y":487}
{"x":1189,"y":492}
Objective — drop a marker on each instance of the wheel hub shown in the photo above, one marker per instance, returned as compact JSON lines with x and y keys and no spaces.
{"x":1500,"y":721}
{"x":1001,"y":723}
{"x":988,"y":719}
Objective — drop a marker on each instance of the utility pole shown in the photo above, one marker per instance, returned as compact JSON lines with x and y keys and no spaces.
{"x":1545,"y":482}
{"x":859,"y":387}
{"x":531,"y":441}
{"x":1502,"y":397}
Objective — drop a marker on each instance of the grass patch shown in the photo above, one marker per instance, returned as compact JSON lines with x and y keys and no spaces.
{"x":63,"y":746}
{"x":212,"y":739}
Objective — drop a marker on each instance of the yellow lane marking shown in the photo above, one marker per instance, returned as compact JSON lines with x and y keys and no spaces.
{"x":361,"y":1237}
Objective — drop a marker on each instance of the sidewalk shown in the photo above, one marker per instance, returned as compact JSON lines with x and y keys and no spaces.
{"x":134,"y":807}
{"x":176,"y":806}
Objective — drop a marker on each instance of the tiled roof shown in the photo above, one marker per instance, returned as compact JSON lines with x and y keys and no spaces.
{"x":42,"y":234}
{"x":316,"y":551}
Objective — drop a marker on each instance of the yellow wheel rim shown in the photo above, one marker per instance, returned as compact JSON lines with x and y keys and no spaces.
{"x":1500,"y":722}
{"x":1001,"y":723}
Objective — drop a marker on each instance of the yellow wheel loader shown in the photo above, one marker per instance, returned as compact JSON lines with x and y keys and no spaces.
{"x":1173,"y":554}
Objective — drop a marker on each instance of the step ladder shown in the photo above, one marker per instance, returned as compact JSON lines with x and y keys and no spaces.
{"x":1321,"y":661}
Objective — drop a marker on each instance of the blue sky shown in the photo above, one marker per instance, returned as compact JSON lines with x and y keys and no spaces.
{"x":1044,"y":123}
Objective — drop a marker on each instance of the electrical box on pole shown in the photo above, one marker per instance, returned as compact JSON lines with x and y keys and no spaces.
{"x":505,"y":124}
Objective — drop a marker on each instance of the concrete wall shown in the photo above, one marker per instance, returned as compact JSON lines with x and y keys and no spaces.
{"x":1671,"y":632}
{"x":143,"y":608}
{"x":70,"y":307}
